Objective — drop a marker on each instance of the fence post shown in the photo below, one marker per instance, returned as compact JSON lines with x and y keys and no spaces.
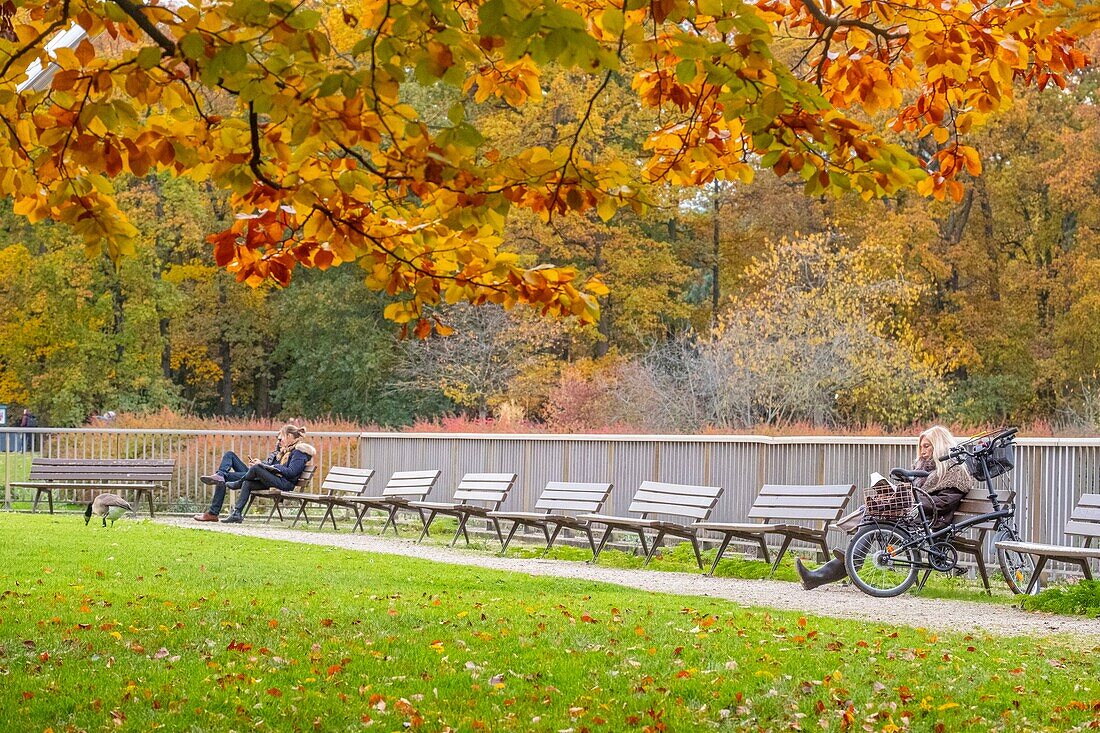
{"x":7,"y":472}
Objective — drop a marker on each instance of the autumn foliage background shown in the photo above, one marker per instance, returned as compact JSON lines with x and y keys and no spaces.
{"x":831,"y":296}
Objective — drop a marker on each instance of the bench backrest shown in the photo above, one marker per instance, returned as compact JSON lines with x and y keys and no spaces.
{"x":415,"y":485}
{"x":1085,"y":519}
{"x":107,"y":469}
{"x":487,"y":488}
{"x":977,"y":502}
{"x":790,"y":503}
{"x":343,"y":481}
{"x":573,"y":497}
{"x":680,"y":500}
{"x":304,"y":478}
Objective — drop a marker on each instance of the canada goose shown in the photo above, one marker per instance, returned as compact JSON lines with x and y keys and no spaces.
{"x":108,"y":506}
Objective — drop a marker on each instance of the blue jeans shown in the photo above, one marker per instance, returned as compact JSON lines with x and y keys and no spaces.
{"x":234,"y":469}
{"x":256,"y":478}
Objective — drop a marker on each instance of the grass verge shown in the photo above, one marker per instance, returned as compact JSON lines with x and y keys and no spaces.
{"x":1077,"y":599}
{"x":146,"y":626}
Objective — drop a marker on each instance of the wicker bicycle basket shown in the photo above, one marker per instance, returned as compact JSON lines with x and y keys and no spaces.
{"x":885,"y":504}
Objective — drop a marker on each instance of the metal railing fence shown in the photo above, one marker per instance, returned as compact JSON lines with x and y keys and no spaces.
{"x":1050,"y":473}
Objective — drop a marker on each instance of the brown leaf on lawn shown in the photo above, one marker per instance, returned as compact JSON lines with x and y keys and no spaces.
{"x":160,"y":653}
{"x":136,"y":648}
{"x":29,"y":644}
{"x":326,"y":622}
{"x":274,"y":692}
{"x":587,"y":619}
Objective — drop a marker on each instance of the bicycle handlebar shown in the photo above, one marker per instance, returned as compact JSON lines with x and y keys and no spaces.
{"x":979,"y":444}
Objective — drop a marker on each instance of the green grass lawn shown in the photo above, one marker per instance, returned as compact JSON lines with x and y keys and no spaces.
{"x":145,"y":626}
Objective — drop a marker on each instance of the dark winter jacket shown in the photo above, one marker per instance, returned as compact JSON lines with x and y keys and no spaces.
{"x":289,"y":463}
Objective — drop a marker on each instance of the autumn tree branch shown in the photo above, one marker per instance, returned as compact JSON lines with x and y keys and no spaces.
{"x":137,"y":14}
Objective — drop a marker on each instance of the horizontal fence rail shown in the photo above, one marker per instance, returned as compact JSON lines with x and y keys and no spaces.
{"x":1050,"y":474}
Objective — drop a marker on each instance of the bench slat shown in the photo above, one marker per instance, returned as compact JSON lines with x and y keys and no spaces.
{"x":806,"y":490}
{"x":681,"y":489}
{"x":580,"y":506}
{"x":577,"y":487}
{"x":801,"y":501}
{"x":434,"y":474}
{"x":1082,"y":529}
{"x":679,"y":510}
{"x":465,"y":495}
{"x":1085,"y":514}
{"x":794,"y":513}
{"x":685,"y":500}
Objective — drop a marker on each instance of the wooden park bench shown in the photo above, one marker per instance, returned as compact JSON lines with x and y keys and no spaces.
{"x":403,"y":487}
{"x":559,"y":496}
{"x":277,"y":497}
{"x":342,"y":484}
{"x":654,"y":497}
{"x":477,"y":495}
{"x":142,"y":476}
{"x":780,"y":507}
{"x":1083,"y":522}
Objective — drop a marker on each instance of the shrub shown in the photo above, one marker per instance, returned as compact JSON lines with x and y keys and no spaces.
{"x":1078,"y":599}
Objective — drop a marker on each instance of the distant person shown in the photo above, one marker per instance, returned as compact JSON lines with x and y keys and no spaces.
{"x":28,"y":420}
{"x":280,"y":470}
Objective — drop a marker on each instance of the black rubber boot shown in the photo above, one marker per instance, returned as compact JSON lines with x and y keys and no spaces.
{"x":830,"y":572}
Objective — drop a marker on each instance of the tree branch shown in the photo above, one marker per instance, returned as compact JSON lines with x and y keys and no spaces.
{"x":835,"y":22}
{"x":136,"y":13}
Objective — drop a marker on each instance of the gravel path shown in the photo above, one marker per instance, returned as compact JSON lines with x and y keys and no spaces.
{"x":834,"y":600}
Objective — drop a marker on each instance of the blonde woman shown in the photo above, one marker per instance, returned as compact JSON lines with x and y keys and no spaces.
{"x":942,"y":491}
{"x":280,"y":470}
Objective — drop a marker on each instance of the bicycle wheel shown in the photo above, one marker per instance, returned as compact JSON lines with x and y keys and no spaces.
{"x":1017,"y":567}
{"x":880,"y":560}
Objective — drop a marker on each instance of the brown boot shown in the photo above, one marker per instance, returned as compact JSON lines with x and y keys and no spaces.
{"x":830,"y":572}
{"x":206,"y":517}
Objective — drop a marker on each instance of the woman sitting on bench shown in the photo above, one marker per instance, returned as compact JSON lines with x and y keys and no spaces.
{"x":943,"y":490}
{"x":280,"y":470}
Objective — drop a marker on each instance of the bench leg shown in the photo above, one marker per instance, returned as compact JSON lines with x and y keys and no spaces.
{"x":1035,"y":578}
{"x":391,"y":521}
{"x":698,"y":557}
{"x":920,"y":585}
{"x":49,"y":499}
{"x":554,"y":536}
{"x":591,"y":541}
{"x":427,"y":523}
{"x":653,"y":548}
{"x":726,"y":538}
{"x":764,"y":549}
{"x":360,"y":512}
{"x":270,"y":514}
{"x":782,"y":550}
{"x":37,"y":496}
{"x":599,"y":548}
{"x":1086,"y":569}
{"x":824,"y":550}
{"x":330,"y":516}
{"x":982,"y":572}
{"x":496,"y":526}
{"x":461,"y":530}
{"x":150,"y":495}
{"x":511,"y":534}
{"x":301,"y":515}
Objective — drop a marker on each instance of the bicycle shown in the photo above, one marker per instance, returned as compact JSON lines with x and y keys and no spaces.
{"x":886,"y":555}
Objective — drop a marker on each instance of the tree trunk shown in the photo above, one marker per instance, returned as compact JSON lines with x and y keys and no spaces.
{"x":715,"y":240}
{"x":225,"y":353}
